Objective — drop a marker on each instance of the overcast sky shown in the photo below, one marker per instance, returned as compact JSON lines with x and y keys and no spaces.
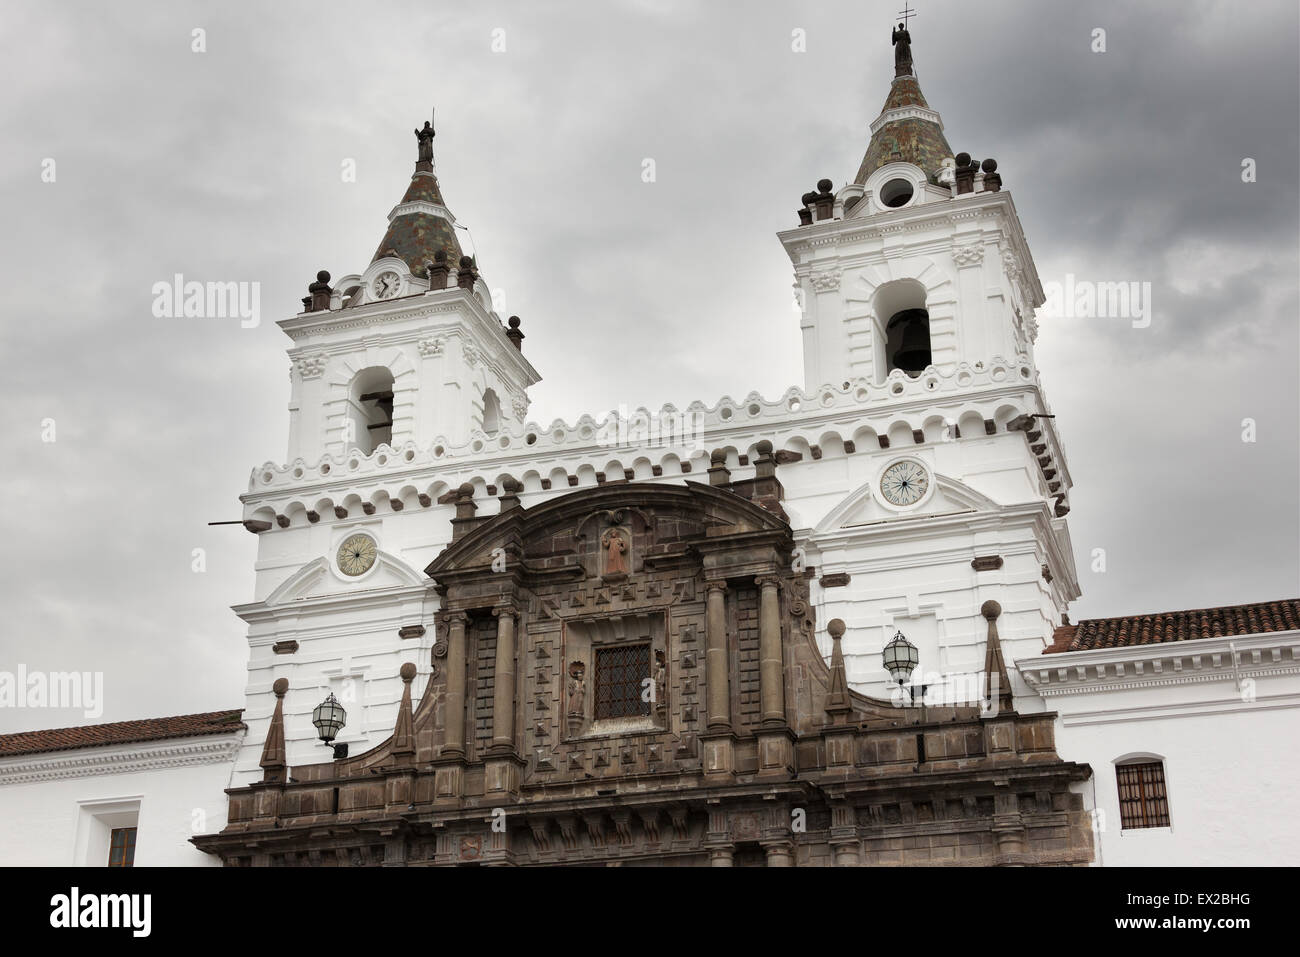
{"x":225,"y":165}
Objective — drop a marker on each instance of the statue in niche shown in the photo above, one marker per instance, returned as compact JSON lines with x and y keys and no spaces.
{"x":661,"y":680}
{"x":577,"y":689}
{"x":615,"y":545}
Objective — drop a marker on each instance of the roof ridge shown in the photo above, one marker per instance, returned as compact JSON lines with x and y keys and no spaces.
{"x":1189,"y":624}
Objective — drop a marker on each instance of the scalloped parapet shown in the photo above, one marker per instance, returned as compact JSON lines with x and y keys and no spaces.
{"x":671,"y":442}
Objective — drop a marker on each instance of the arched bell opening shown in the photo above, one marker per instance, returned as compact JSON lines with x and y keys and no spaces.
{"x":907,"y":326}
{"x":370,"y":410}
{"x":908,"y":343}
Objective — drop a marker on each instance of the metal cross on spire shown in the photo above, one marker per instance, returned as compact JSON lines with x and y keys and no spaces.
{"x":906,"y":13}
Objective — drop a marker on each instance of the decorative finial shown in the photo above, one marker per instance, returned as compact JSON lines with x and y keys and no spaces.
{"x":902,"y":41}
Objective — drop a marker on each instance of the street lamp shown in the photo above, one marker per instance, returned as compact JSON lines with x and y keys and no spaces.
{"x":901,"y":658}
{"x":329,"y":719}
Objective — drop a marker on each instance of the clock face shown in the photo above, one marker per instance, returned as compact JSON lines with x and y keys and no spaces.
{"x":904,"y":483}
{"x":356,"y":555}
{"x":387,"y":284}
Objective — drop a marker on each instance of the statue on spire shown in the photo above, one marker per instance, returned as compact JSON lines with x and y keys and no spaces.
{"x":902,"y":51}
{"x":426,"y":142}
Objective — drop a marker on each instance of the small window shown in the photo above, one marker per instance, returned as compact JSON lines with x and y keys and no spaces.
{"x":896,"y":193}
{"x":621,"y":673}
{"x":1143,"y":801}
{"x":121,"y":847}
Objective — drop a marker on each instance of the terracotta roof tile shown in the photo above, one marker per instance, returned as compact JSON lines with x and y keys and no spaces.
{"x":1223,"y":622}
{"x":121,"y":732}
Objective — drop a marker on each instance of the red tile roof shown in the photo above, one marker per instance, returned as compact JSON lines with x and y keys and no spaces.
{"x":1222,"y":622}
{"x":121,"y":732}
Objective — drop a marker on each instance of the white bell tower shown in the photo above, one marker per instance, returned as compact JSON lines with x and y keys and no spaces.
{"x":917,"y":292}
{"x":408,"y":353}
{"x":920,"y":261}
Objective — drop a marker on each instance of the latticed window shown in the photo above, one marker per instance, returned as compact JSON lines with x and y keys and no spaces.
{"x":1143,"y":801}
{"x":621,"y":672}
{"x":121,"y":847}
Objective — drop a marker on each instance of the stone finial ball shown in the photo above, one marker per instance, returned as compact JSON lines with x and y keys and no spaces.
{"x":510,"y":486}
{"x":407,"y":671}
{"x":440,"y":256}
{"x":514,"y":322}
{"x":719,"y":457}
{"x":808,"y":198}
{"x":963,"y":160}
{"x":466,"y":491}
{"x":764,"y":447}
{"x":990,"y":609}
{"x":323,"y":275}
{"x":989,"y":165}
{"x":824,"y":185}
{"x":280,"y":687}
{"x":836,"y":627}
{"x":466,"y":262}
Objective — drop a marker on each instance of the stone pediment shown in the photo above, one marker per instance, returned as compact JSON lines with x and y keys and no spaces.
{"x":316,"y":579}
{"x":863,"y":506}
{"x":573,"y":530}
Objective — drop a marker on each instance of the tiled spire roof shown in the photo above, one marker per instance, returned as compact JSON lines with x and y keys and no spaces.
{"x":914,"y":136}
{"x":1224,"y":622}
{"x":421,"y":225}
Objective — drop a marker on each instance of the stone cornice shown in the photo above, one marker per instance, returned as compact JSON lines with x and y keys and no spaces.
{"x":909,"y":112}
{"x":421,"y":206}
{"x":387,"y":600}
{"x":454,"y":303}
{"x":1194,"y":661}
{"x":120,"y":759}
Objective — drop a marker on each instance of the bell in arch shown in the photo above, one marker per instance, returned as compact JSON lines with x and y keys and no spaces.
{"x":909,"y":339}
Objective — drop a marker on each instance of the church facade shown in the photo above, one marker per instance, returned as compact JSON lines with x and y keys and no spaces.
{"x":822,"y":628}
{"x":659,"y":639}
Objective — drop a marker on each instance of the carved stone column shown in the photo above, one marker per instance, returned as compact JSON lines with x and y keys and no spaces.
{"x":716,"y":665}
{"x":721,"y":856}
{"x":454,"y":707}
{"x":504,"y":766}
{"x":503,"y":693}
{"x":780,"y":853}
{"x":1008,"y":829}
{"x":844,"y":835}
{"x":770,"y":664}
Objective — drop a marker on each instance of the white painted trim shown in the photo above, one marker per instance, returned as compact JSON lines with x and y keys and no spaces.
{"x":119,"y":759}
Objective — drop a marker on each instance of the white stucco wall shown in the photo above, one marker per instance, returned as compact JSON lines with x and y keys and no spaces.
{"x":58,"y":807}
{"x":1228,"y":750}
